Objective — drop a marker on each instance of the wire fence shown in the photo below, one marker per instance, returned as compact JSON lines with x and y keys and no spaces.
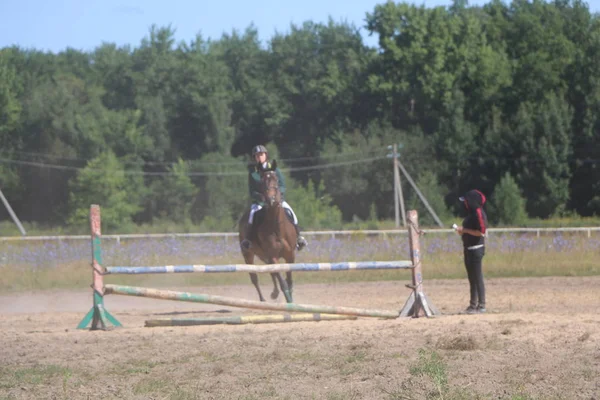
{"x":587,"y":231}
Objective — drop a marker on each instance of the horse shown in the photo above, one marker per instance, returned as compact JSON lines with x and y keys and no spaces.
{"x":273,"y":237}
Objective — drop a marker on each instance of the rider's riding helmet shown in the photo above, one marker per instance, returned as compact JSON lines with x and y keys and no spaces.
{"x":259,"y":149}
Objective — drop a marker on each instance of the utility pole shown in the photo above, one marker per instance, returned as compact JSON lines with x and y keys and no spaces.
{"x":423,"y":199}
{"x":12,"y":214}
{"x":395,"y":158}
{"x":398,"y":196}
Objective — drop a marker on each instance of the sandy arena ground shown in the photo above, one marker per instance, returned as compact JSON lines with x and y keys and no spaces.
{"x":540,"y":339}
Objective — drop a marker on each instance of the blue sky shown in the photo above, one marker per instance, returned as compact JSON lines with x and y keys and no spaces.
{"x":53,"y":25}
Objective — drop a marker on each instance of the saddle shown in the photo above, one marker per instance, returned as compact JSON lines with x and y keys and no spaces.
{"x":259,"y":218}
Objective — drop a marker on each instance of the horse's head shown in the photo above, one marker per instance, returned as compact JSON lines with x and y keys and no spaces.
{"x":270,"y":183}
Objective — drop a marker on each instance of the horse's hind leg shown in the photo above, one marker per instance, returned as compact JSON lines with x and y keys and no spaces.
{"x":254,"y":279}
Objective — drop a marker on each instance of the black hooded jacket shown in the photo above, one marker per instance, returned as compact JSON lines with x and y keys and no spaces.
{"x":476,"y":219}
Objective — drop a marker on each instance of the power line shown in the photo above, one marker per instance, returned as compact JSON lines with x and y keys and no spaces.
{"x":195,"y":162}
{"x":237,"y":173}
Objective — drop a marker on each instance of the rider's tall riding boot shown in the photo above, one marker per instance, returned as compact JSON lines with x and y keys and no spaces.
{"x":246,"y":243}
{"x":300,"y":241}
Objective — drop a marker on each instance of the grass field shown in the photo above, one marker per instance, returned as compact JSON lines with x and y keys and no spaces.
{"x":65,"y":264}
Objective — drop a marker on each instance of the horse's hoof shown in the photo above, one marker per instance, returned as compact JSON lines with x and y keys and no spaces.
{"x":274,"y":295}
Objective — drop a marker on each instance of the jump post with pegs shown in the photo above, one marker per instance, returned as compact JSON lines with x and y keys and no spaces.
{"x":97,"y":316}
{"x":417,"y":304}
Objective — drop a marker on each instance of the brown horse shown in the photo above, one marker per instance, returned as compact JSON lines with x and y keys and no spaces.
{"x":273,"y":237}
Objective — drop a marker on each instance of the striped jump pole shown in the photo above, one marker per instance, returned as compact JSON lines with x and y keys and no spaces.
{"x":246,"y":319}
{"x":306,"y":267}
{"x":234,"y":302}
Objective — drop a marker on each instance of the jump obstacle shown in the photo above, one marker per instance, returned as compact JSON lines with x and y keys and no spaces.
{"x":246,"y":319}
{"x":417,"y":304}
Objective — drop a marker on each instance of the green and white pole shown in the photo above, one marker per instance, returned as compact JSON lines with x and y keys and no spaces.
{"x":99,"y":317}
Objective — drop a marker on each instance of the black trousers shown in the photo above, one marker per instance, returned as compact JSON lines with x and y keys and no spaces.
{"x":473,"y":263}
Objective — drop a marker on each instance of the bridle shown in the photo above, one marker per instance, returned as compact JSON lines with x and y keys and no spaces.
{"x":266,"y":187}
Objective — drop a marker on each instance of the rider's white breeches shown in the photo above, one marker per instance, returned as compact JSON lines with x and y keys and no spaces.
{"x":253,"y":209}
{"x":287,"y":206}
{"x":256,"y":207}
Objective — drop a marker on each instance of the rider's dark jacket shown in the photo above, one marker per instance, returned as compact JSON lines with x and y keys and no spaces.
{"x":255,"y":184}
{"x":476,"y":218}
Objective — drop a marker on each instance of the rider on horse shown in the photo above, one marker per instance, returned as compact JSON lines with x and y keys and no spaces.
{"x":261,"y":157}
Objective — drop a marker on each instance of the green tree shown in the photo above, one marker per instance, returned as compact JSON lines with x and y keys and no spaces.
{"x":583,"y":94}
{"x":507,"y":204}
{"x":416,"y":71}
{"x":428,"y":184}
{"x":471,"y":93}
{"x":255,"y":107}
{"x":173,"y":196}
{"x":456,"y":140}
{"x":542,"y":138}
{"x":224,"y":190}
{"x":315,"y":69}
{"x":313,"y":206}
{"x":10,"y":108}
{"x":10,"y":120}
{"x":103,"y":181}
{"x":202,"y":120}
{"x":540,"y":50}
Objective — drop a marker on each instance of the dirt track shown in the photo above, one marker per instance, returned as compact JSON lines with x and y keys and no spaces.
{"x":541,"y":338}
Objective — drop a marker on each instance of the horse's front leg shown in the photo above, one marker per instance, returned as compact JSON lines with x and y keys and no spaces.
{"x":290,"y":258}
{"x":275,"y":293}
{"x":249,"y":259}
{"x":285,"y":288}
{"x":254,"y":279}
{"x":282,"y":283}
{"x":290,"y":283}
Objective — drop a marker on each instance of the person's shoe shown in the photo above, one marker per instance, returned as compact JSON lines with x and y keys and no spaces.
{"x":471,"y":310}
{"x":301,"y":243}
{"x":481,"y":309}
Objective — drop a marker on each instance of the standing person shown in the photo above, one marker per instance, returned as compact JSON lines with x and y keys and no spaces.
{"x":473,"y":231}
{"x":261,"y":158}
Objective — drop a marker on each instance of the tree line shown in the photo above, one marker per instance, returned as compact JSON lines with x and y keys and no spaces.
{"x":502,"y":97}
